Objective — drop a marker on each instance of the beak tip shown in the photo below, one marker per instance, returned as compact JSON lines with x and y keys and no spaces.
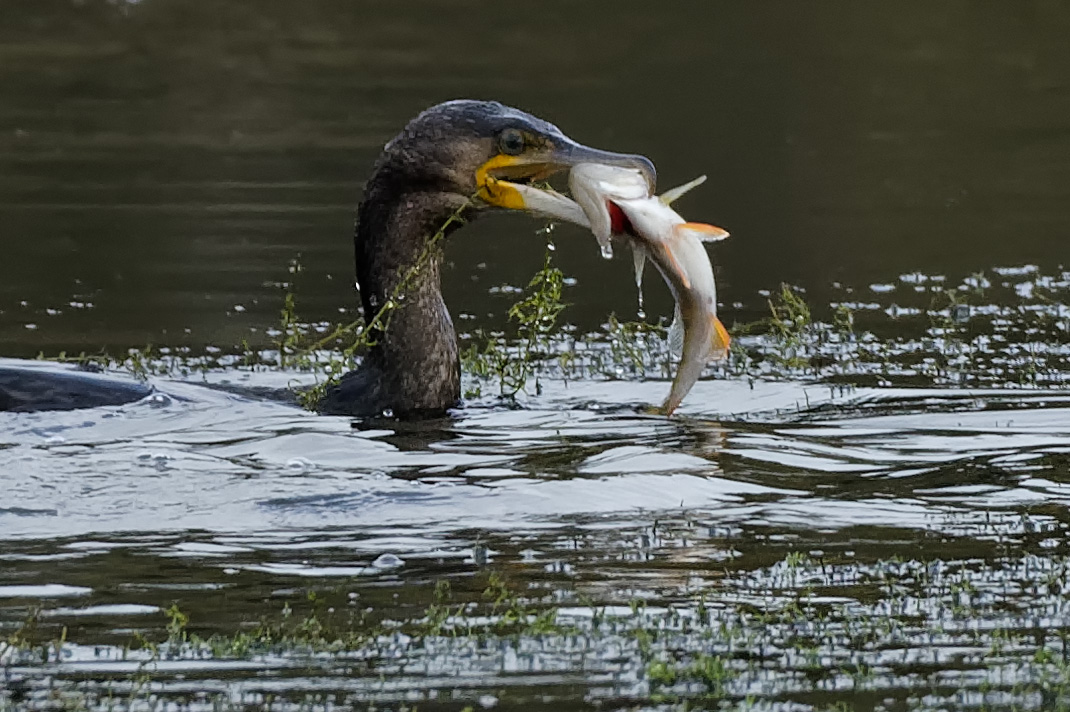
{"x":646,"y":167}
{"x":577,"y":153}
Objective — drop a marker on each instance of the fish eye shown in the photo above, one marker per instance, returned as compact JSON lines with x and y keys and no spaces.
{"x":511,"y":142}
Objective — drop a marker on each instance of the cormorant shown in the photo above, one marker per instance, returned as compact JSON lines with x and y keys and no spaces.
{"x":444,"y":157}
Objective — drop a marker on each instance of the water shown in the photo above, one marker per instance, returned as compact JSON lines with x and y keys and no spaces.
{"x":790,"y":542}
{"x":868,"y":513}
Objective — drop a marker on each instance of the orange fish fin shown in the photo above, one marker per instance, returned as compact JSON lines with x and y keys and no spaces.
{"x":702,"y":231}
{"x":721,"y":340}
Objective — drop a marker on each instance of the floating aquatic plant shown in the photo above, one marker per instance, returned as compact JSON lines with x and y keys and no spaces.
{"x":1003,"y":328}
{"x":807,"y":627}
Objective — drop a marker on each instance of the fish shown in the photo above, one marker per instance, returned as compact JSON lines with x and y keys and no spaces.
{"x":616,"y":201}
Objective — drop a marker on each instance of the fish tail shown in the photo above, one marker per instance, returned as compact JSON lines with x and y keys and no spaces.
{"x":692,"y":364}
{"x":690,"y":369}
{"x":687,"y":373}
{"x":671,"y":403}
{"x":669,"y":406}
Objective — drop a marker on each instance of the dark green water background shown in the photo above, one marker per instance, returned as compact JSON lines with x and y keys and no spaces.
{"x":163,"y":160}
{"x":867,"y":517}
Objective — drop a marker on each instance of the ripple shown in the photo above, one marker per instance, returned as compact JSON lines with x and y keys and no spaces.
{"x":47,"y":590}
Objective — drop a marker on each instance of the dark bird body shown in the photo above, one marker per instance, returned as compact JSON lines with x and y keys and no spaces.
{"x":453,"y":154}
{"x":43,"y":386}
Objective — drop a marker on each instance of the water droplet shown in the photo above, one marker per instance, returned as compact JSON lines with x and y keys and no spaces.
{"x":607,"y":251}
{"x":299,"y":464}
{"x":159,"y":460}
{"x":388,"y":561}
{"x":158,"y":400}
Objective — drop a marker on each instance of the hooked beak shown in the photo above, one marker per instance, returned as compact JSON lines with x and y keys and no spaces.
{"x":498,"y":178}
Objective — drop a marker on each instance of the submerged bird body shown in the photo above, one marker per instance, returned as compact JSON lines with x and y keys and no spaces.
{"x":41,"y":385}
{"x":614,"y":200}
{"x":460,"y":156}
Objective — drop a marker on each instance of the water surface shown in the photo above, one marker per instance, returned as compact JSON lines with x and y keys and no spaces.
{"x":870,"y":515}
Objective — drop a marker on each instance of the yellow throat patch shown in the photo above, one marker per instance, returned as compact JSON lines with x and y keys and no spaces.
{"x":498,"y":192}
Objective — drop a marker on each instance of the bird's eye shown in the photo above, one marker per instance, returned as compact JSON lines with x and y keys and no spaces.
{"x":511,"y":142}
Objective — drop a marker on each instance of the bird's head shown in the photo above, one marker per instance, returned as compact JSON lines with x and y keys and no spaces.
{"x":484,"y":148}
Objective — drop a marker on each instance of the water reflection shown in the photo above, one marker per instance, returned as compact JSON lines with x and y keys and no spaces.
{"x":162,"y":162}
{"x":210,"y":461}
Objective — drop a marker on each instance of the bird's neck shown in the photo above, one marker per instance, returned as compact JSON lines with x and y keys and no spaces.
{"x":398,"y":260}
